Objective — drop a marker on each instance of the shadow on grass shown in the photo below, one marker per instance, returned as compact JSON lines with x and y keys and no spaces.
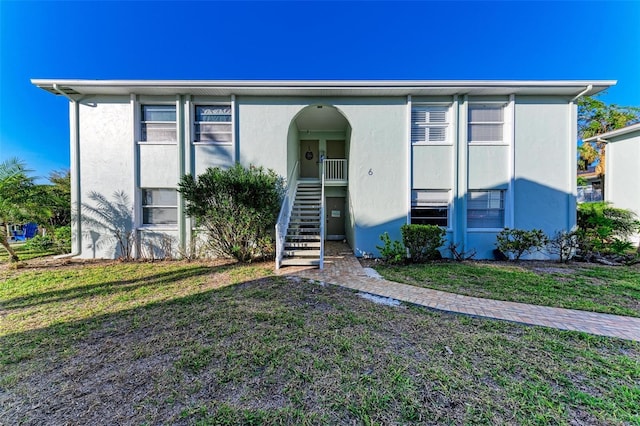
{"x":110,"y":287}
{"x":283,"y":352}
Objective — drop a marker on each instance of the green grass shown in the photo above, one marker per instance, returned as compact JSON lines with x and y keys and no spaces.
{"x":614,"y":290}
{"x":194,"y":343}
{"x":23,"y":253}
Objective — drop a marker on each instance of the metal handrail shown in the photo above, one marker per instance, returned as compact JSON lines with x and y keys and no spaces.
{"x":282,"y":225}
{"x":322,"y":218}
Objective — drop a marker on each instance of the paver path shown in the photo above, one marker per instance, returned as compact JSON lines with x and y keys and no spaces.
{"x":343,"y":269}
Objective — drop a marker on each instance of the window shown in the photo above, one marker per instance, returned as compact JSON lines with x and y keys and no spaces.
{"x":159,"y":206}
{"x":430,"y":207}
{"x":486,"y":123}
{"x":429,"y":124}
{"x":213,"y":124}
{"x":485,"y":209}
{"x":158,"y":123}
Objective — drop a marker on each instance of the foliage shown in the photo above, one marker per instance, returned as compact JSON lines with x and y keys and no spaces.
{"x":59,"y":242}
{"x":563,"y":244}
{"x":595,"y":118}
{"x":460,"y":255}
{"x":423,"y":241}
{"x":392,"y":252}
{"x":516,"y":242}
{"x":604,"y":228}
{"x":111,"y":217}
{"x":58,"y":200}
{"x":237,"y":207}
{"x":40,"y":243}
{"x":20,"y":200}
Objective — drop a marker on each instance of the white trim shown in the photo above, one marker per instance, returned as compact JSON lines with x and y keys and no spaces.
{"x":409,"y":156}
{"x":151,"y":227}
{"x":614,"y":133}
{"x":327,"y":87}
{"x":510,"y":132}
{"x":213,"y":143}
{"x":157,"y":143}
{"x":234,"y":125}
{"x":136,"y":113}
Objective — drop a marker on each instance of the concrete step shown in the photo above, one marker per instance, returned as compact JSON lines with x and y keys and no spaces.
{"x":298,"y":231}
{"x":297,"y":238}
{"x":294,"y":261}
{"x":301,"y":244}
{"x":302,"y":253}
{"x":310,"y":222}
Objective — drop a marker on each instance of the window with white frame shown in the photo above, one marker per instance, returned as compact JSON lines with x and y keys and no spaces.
{"x":158,"y":123}
{"x":159,"y":206}
{"x":429,"y":124}
{"x":486,"y":123}
{"x":485,"y":209}
{"x":212,"y":124}
{"x":430,"y":207}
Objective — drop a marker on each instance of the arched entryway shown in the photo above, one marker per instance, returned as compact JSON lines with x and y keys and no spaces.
{"x":321,"y":140}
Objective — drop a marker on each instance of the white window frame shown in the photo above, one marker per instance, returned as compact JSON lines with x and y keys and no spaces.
{"x":446,"y":124}
{"x":446,"y":203}
{"x":195,"y":123}
{"x":505,"y":140}
{"x":170,"y":225}
{"x":143,"y":122}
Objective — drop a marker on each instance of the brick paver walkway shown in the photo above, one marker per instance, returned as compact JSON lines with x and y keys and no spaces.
{"x":343,"y":269}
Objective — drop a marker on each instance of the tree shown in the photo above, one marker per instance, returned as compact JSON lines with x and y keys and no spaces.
{"x":237,"y":207}
{"x":20,"y":200}
{"x":595,"y":118}
{"x":59,"y":198}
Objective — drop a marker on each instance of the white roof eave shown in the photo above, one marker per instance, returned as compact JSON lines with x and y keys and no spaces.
{"x":322,"y":87}
{"x":614,"y":133}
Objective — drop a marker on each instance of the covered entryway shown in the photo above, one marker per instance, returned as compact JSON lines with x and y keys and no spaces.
{"x":317,"y":199}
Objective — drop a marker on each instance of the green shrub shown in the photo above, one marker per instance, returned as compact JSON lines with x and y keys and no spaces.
{"x":392,"y":252}
{"x":563,"y":244}
{"x":39,"y":243}
{"x":606,"y":229}
{"x":423,"y":241}
{"x":516,"y":242}
{"x":237,"y":207}
{"x":62,"y":238}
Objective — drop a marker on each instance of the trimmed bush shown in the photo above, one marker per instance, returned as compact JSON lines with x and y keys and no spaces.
{"x":515,"y":242}
{"x":423,"y":241}
{"x":237,"y":207}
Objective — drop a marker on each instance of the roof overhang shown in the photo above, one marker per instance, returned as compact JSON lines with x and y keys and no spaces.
{"x":614,"y":133}
{"x":324,"y":87}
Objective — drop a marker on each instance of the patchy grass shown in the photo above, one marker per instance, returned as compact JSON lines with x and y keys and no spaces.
{"x":23,"y":253}
{"x":210,"y":344}
{"x":613,"y":290}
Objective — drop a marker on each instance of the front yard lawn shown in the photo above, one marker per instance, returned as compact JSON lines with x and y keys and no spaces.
{"x":613,"y":290}
{"x":209,"y":344}
{"x":23,"y":253}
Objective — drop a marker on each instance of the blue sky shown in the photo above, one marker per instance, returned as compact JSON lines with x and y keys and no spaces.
{"x":296,"y":40}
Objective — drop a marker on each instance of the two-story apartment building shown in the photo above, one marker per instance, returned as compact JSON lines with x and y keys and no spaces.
{"x":471,"y":156}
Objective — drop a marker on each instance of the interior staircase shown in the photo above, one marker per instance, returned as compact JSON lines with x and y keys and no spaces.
{"x":302,"y":243}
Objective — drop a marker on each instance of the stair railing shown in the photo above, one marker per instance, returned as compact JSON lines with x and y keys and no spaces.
{"x":285,"y":214}
{"x":322,"y":217}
